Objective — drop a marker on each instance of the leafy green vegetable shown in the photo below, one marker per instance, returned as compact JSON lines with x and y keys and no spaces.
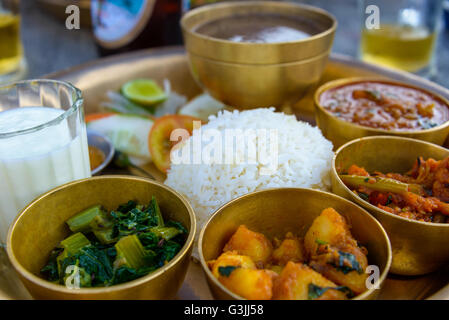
{"x":364,"y":196}
{"x":131,"y":250}
{"x":176,"y":225}
{"x":316,"y":291}
{"x":389,"y":200}
{"x":81,"y":221}
{"x":346,"y":258}
{"x":50,"y":270}
{"x":74,"y":243}
{"x":97,"y":264}
{"x":374,"y":94}
{"x":165,"y":233}
{"x":320,"y":242}
{"x":124,"y":208}
{"x":130,"y":218}
{"x":115,"y":247}
{"x":101,"y":222}
{"x":148,"y":239}
{"x":167,"y":251}
{"x":125,"y":274}
{"x":155,"y":205}
{"x":381,"y":184}
{"x":226,"y":271}
{"x":105,"y":236}
{"x":426,"y":123}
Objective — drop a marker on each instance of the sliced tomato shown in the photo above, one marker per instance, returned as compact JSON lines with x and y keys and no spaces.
{"x":97,"y":116}
{"x":159,"y":141}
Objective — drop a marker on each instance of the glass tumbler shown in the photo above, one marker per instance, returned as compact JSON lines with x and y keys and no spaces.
{"x":401,"y":34}
{"x":43,"y":143}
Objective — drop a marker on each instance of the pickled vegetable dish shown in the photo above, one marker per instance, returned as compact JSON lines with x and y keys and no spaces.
{"x":327,"y":264}
{"x":96,"y":157}
{"x":108,"y":248}
{"x":385,"y":106}
{"x":420,"y":194}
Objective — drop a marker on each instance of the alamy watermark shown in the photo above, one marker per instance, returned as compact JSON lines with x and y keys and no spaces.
{"x":373,"y":19}
{"x":73,"y":20}
{"x":229,"y":147}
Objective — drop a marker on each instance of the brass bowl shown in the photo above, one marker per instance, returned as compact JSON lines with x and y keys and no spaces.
{"x":246,"y":75}
{"x":41,"y":226}
{"x":339,"y":131}
{"x":418,"y":247}
{"x":275,"y":212}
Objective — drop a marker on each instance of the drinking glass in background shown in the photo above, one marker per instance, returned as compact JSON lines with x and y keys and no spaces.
{"x":43,"y":143}
{"x":405,"y":35}
{"x":12,"y":62}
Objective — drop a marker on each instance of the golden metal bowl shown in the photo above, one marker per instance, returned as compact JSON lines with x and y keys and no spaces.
{"x":41,"y":226}
{"x":244,"y":74}
{"x":275,"y":212}
{"x":339,"y":131}
{"x":418,"y":247}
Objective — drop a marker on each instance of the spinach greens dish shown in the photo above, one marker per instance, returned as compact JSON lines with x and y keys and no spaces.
{"x":116,"y":247}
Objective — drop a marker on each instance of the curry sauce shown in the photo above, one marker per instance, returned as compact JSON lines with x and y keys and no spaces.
{"x":385,"y":106}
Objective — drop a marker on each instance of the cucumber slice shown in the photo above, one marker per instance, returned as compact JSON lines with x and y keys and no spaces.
{"x":145,"y":92}
{"x":128,"y":133}
{"x":202,"y":107}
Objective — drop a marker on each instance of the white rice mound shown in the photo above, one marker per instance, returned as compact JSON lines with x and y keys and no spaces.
{"x":304,"y":160}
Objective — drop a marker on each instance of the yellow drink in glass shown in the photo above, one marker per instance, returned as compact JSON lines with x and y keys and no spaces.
{"x":401,"y":47}
{"x":10,"y":45}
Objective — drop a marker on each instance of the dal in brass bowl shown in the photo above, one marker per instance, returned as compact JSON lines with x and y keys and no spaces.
{"x":339,"y":131}
{"x":247,"y":74}
{"x":418,"y":247}
{"x":41,"y":226}
{"x":275,"y":212}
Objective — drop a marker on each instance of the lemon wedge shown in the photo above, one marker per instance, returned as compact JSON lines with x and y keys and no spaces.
{"x":145,"y":92}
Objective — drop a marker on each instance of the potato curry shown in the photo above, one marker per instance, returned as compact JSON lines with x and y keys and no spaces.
{"x":327,"y":264}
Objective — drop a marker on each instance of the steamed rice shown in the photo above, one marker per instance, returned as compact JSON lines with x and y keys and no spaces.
{"x":304,"y":160}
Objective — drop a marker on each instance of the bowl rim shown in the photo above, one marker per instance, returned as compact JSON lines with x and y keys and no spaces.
{"x":218,"y":6}
{"x":361,"y":296}
{"x":368,"y":206}
{"x":102,"y":290}
{"x":352,"y":80}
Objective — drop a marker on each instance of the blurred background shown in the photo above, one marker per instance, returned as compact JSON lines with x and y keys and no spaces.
{"x":49,"y":46}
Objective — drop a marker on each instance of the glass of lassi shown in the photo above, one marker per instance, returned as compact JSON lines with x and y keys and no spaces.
{"x":43,"y":143}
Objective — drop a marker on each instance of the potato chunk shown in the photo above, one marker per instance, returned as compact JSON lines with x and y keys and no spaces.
{"x":250,"y":243}
{"x":230,"y":258}
{"x":299,"y":282}
{"x":344,"y":264}
{"x":290,"y":249}
{"x":334,"y":252}
{"x":328,"y":228}
{"x":250,"y":284}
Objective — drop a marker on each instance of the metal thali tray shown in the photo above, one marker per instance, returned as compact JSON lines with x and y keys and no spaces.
{"x":97,"y":77}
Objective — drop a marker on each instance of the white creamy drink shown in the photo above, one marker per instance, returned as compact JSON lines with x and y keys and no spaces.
{"x":35,"y":162}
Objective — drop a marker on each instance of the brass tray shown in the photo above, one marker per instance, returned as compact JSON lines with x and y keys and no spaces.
{"x":96,"y":77}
